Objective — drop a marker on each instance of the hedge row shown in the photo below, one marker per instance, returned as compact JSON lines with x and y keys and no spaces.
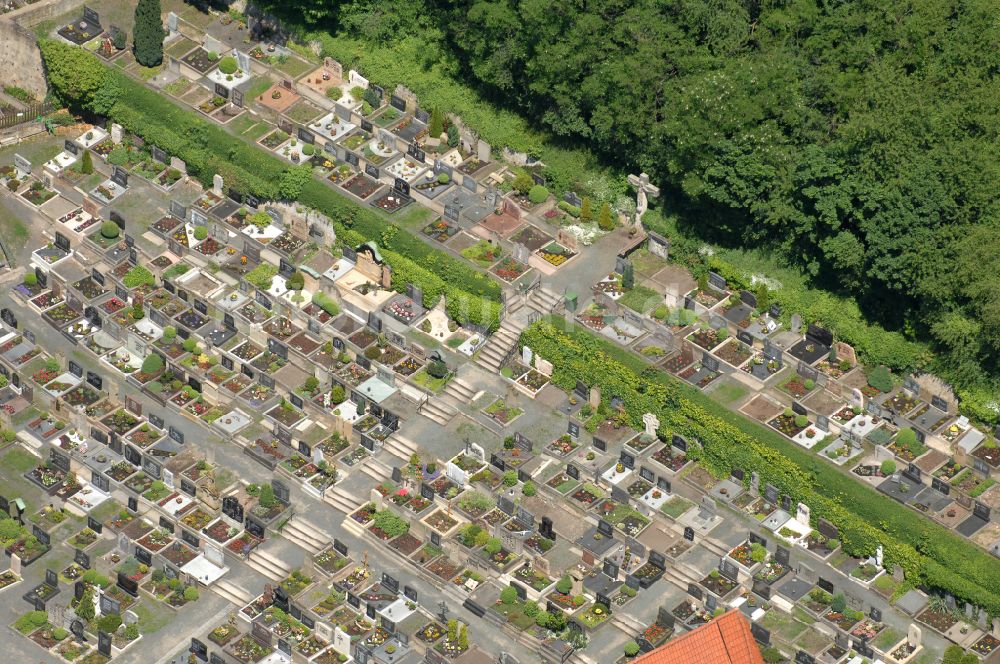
{"x":207,"y":149}
{"x":927,"y":552}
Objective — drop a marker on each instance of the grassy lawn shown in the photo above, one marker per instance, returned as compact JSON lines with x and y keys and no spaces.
{"x":178,"y":87}
{"x":179,"y":48}
{"x":784,"y":625}
{"x":515,"y":615}
{"x":294,"y":67}
{"x":19,"y":461}
{"x":641,"y":299}
{"x":729,"y":392}
{"x":303,"y":112}
{"x":675,"y":507}
{"x":153,"y":616}
{"x":13,"y":233}
{"x":258,"y":86}
{"x":424,"y":379}
{"x":812,"y":641}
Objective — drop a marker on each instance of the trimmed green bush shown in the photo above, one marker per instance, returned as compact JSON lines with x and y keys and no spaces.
{"x":152,"y":364}
{"x":228,"y":65}
{"x":538,"y":194}
{"x":110,"y":230}
{"x":200,"y":233}
{"x":881,"y":379}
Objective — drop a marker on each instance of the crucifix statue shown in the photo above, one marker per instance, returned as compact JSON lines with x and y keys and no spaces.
{"x":644,"y":189}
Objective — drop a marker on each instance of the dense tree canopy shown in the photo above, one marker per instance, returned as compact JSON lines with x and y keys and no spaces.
{"x":857,"y":138}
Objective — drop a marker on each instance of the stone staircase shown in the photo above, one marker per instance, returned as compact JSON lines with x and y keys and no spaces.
{"x":268,"y":565}
{"x":544,"y":301}
{"x":304,"y":535}
{"x":681,"y":574}
{"x":627,"y":623}
{"x":400,"y":446}
{"x":342,"y":499}
{"x":376,"y":469}
{"x":492,"y":355}
{"x":458,"y":394}
{"x":231,"y":592}
{"x":437,"y":411}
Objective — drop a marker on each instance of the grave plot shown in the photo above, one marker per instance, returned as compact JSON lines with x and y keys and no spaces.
{"x":706,"y":297}
{"x":391,"y":201}
{"x":509,"y":270}
{"x":201,"y":61}
{"x":362,"y":186}
{"x":278,"y":98}
{"x":387,"y":117}
{"x":531,"y":237}
{"x":81,"y":30}
{"x":378,"y":150}
{"x":107,"y":192}
{"x":323,"y":80}
{"x":556,"y":254}
{"x":410,"y":129}
{"x":332,"y":127}
{"x":38,"y":194}
{"x":405,"y":168}
{"x":483,"y":253}
{"x":431,"y":184}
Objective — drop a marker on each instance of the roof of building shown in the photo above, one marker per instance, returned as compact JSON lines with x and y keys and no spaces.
{"x":725,"y":640}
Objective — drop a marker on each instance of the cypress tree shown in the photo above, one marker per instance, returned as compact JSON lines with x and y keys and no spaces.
{"x":605,"y":221}
{"x":87,"y":163}
{"x":148,"y":33}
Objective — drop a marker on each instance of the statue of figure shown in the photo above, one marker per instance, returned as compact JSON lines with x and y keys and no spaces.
{"x":644,"y":189}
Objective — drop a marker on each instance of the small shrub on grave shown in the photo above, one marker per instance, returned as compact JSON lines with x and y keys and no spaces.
{"x":538,"y":194}
{"x":881,"y":379}
{"x":227,"y":65}
{"x":200,"y":233}
{"x":523,"y":183}
{"x":110,"y":230}
{"x":152,"y":364}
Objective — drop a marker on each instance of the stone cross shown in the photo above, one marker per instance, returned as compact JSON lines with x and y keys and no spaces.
{"x":652,"y":423}
{"x":878,"y":556}
{"x":644,"y":189}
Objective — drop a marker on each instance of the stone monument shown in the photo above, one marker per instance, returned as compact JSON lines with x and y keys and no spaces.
{"x":644,"y":189}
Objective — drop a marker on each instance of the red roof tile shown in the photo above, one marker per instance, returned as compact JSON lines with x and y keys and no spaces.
{"x":725,"y":640}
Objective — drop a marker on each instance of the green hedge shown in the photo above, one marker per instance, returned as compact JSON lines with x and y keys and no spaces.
{"x":207,"y":149}
{"x":926,"y":551}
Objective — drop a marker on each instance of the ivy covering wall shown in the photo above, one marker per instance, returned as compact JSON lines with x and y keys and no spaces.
{"x":927,"y":552}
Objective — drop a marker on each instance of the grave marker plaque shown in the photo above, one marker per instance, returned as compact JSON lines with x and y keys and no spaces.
{"x":827,"y":586}
{"x":95,"y":525}
{"x":717,"y":281}
{"x":981,"y":510}
{"x":679,"y":443}
{"x":689,"y":533}
{"x":127,"y":585}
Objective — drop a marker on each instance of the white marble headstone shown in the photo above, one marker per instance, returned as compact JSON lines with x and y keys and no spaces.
{"x":802,"y":514}
{"x":651,"y":422}
{"x":217,"y":184}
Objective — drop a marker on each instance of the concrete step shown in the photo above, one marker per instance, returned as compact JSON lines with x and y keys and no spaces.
{"x":377,"y":472}
{"x":268,"y":565}
{"x":352,"y":526}
{"x":342,"y":500}
{"x":398,"y":445}
{"x":438,"y":411}
{"x":305,"y":536}
{"x":231,"y":592}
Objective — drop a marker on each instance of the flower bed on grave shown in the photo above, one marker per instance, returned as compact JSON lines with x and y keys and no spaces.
{"x":937,"y":618}
{"x":718,"y":584}
{"x":244,"y":539}
{"x":845,"y":619}
{"x":706,"y":338}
